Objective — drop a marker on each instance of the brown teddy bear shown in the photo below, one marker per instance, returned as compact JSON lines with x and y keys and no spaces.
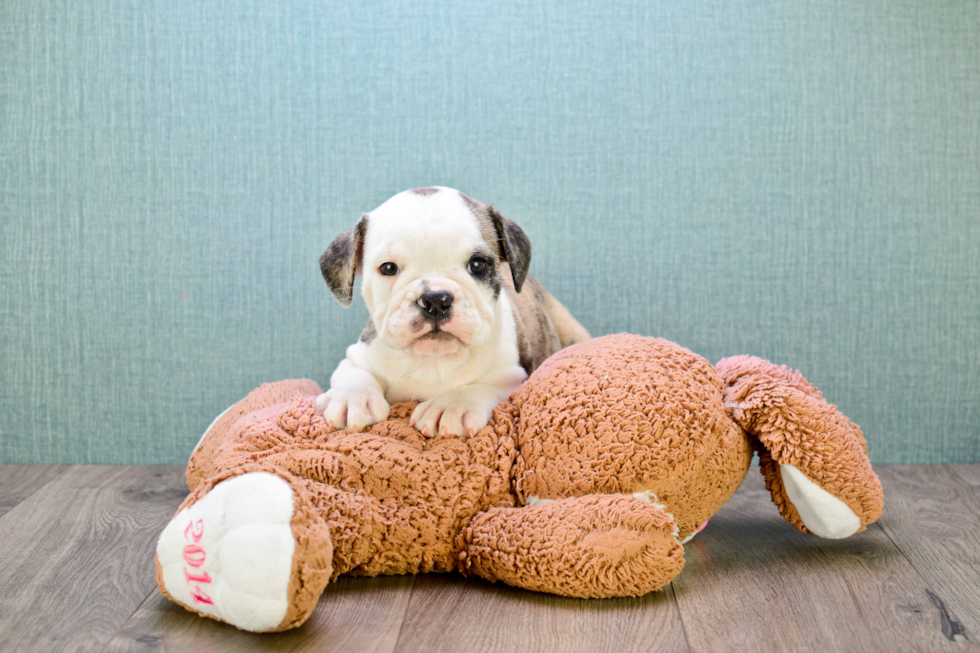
{"x":585,"y":483}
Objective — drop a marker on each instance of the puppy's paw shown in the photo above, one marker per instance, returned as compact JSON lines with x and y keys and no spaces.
{"x":354,"y":409}
{"x":450,"y":416}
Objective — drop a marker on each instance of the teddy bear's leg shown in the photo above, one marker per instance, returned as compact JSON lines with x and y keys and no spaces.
{"x":595,"y":546}
{"x":248,"y":548}
{"x":814,"y":459}
{"x":201,"y":463}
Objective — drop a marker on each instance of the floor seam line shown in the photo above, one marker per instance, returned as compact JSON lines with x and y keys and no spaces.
{"x":408,"y":604}
{"x":43,"y":485}
{"x":126,"y":621}
{"x":680,"y":616}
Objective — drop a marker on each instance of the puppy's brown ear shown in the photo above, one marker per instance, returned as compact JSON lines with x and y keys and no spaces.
{"x":515,"y":244}
{"x":340,"y":262}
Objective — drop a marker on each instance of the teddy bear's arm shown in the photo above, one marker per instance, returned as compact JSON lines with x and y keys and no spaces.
{"x":595,"y":546}
{"x":814,"y":459}
{"x":202,"y":461}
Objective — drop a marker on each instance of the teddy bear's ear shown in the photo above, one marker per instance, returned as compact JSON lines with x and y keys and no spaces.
{"x":515,"y":244}
{"x":342,"y":260}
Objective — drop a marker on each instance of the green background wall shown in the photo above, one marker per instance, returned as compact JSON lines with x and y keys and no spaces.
{"x":796,"y":180}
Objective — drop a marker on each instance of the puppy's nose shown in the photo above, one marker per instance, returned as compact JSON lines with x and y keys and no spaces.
{"x":435,"y":305}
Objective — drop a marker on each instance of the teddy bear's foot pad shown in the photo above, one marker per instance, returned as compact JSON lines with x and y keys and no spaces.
{"x":230,"y":554}
{"x":822,"y":513}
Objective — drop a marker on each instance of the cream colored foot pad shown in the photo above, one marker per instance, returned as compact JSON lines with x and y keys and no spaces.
{"x":822,"y":513}
{"x":230,"y":554}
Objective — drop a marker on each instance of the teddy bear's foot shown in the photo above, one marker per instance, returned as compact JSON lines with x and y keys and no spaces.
{"x":814,"y":459}
{"x":821,"y":512}
{"x":249,"y":552}
{"x":594,"y":546}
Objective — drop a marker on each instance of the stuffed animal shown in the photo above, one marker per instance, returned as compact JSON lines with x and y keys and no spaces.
{"x":585,"y":483}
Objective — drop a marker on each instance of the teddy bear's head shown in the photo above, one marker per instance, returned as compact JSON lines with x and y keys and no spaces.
{"x":627,"y":414}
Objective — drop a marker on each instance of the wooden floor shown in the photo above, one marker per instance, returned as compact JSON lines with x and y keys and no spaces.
{"x":76,"y":573}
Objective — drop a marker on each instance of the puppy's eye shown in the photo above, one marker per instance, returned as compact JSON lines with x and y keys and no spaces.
{"x":477,"y":266}
{"x":388,"y":269}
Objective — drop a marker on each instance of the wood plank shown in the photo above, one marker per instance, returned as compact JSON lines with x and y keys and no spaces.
{"x":17,"y":482}
{"x":76,"y":556}
{"x":449,"y":612}
{"x":753,"y":582}
{"x":76,"y":560}
{"x":935,"y":521}
{"x":354,"y":614}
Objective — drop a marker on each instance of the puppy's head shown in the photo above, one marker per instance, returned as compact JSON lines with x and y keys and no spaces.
{"x":432,"y":261}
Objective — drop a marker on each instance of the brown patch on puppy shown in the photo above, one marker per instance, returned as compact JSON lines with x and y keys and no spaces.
{"x":517,"y":247}
{"x":543,"y":325}
{"x":339,"y":262}
{"x":537,"y":337}
{"x":425,"y":190}
{"x":369,"y":333}
{"x":502,"y":234}
{"x":525,"y":356}
{"x":569,"y":330}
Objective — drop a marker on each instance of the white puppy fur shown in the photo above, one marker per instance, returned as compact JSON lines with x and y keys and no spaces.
{"x":440,"y":271}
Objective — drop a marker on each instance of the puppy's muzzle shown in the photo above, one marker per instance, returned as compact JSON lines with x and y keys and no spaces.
{"x":436,"y":306}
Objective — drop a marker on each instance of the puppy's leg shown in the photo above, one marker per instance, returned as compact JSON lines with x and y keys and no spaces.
{"x":465,"y":410}
{"x":355,"y":400}
{"x":569,"y":330}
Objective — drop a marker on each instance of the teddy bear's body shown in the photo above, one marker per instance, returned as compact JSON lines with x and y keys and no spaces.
{"x":624,"y":414}
{"x":584,"y":483}
{"x":396,"y":500}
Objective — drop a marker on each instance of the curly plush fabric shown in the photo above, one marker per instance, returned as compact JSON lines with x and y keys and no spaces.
{"x":583,"y":483}
{"x":795,"y":426}
{"x":623,"y":414}
{"x":393,"y":499}
{"x":588,"y":547}
{"x":201,"y":463}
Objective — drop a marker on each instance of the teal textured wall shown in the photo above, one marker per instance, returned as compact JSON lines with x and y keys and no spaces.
{"x":796,"y":180}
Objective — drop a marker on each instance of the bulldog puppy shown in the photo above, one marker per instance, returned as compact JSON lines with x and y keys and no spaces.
{"x":457,"y":323}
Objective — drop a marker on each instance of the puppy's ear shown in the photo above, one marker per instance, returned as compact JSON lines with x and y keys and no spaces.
{"x":515,"y":244}
{"x":340,"y":262}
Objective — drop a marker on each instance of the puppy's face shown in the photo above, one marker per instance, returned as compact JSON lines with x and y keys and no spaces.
{"x":431,"y":261}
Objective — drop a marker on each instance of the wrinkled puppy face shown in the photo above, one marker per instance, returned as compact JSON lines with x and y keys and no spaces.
{"x":431,"y":260}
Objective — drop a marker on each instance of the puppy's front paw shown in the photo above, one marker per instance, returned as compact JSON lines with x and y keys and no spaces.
{"x":450,"y":416}
{"x":354,"y":409}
